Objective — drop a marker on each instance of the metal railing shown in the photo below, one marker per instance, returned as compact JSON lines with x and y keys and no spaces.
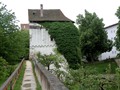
{"x":47,"y":80}
{"x":9,"y":83}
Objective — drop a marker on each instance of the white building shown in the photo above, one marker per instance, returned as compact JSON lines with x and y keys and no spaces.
{"x":40,"y":40}
{"x":111,"y":32}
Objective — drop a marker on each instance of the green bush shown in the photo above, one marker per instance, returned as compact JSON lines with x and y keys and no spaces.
{"x":3,"y":68}
{"x":83,"y":79}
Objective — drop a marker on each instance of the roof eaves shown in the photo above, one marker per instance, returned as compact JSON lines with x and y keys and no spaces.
{"x":111,"y":25}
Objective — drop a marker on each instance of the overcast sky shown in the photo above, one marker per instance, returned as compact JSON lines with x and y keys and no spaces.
{"x":71,"y":8}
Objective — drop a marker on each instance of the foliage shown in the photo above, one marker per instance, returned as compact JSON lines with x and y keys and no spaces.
{"x":53,"y":59}
{"x":102,"y":67}
{"x":66,"y":37}
{"x":38,"y":86}
{"x":117,"y":39}
{"x":83,"y":79}
{"x":93,"y":37}
{"x":18,"y":83}
{"x":13,"y":43}
{"x":57,"y":62}
{"x":23,"y":44}
{"x":47,"y":60}
{"x":3,"y":68}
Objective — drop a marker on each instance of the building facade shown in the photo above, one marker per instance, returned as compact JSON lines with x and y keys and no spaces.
{"x":40,"y":40}
{"x":111,"y":33}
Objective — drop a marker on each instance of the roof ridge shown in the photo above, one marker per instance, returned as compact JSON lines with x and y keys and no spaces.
{"x":44,"y":9}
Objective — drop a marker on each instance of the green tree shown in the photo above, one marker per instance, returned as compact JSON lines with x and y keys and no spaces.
{"x":23,"y":44}
{"x":47,"y":60}
{"x":53,"y":59}
{"x":12,"y":40}
{"x":117,"y":39}
{"x":3,"y":68}
{"x":93,"y":37}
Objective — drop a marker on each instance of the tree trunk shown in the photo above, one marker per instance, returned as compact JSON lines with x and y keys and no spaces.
{"x":90,"y":58}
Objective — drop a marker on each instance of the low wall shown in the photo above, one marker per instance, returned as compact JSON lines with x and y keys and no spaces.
{"x":47,"y":80}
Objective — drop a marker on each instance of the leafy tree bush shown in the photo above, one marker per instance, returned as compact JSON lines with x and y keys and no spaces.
{"x":3,"y":68}
{"x":66,"y":37}
{"x":47,"y":60}
{"x":23,"y":43}
{"x":58,"y":63}
{"x":53,"y":59}
{"x":83,"y":79}
{"x":117,"y":39}
{"x":13,"y":42}
{"x":93,"y":37}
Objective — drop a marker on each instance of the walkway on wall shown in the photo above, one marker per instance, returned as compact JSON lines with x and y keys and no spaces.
{"x":47,"y":80}
{"x":29,"y":82}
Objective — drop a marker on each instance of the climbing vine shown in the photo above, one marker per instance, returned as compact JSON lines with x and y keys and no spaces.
{"x":66,"y":37}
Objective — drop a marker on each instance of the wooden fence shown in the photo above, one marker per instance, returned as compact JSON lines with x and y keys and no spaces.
{"x":9,"y":83}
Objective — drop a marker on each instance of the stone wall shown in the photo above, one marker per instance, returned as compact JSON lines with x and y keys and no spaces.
{"x":47,"y":80}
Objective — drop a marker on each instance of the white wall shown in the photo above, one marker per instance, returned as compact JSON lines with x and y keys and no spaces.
{"x":40,"y":40}
{"x":111,"y":32}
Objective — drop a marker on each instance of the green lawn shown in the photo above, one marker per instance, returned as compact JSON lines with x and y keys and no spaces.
{"x":38,"y":87}
{"x":102,"y":66}
{"x":20,"y":78}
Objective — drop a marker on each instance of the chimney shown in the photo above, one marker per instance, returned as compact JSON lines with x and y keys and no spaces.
{"x":41,"y":10}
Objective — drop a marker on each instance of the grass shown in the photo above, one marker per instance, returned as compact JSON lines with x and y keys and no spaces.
{"x":102,"y":66}
{"x":10,"y":70}
{"x":3,"y":80}
{"x":20,"y":78}
{"x":38,"y":87}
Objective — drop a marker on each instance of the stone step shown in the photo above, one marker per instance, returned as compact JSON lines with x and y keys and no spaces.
{"x":29,"y":82}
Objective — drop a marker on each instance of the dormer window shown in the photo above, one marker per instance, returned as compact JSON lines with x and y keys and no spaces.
{"x":33,"y":13}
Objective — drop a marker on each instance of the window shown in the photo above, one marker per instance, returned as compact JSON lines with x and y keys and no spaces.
{"x":34,"y":12}
{"x":51,"y":38}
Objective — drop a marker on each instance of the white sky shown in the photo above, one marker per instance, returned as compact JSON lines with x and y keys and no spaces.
{"x":71,"y":8}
